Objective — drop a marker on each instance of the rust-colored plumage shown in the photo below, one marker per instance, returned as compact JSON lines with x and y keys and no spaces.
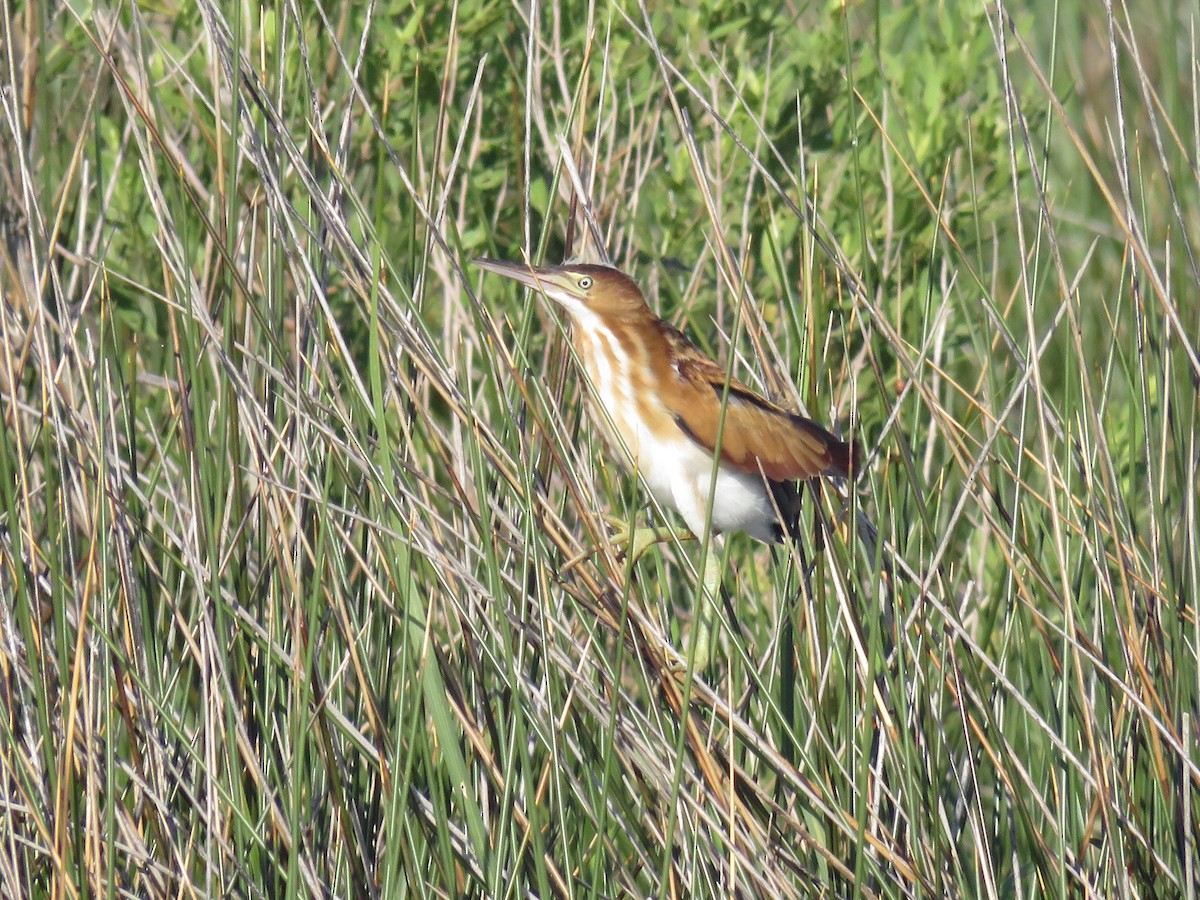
{"x":757,"y":433}
{"x":659,"y":395}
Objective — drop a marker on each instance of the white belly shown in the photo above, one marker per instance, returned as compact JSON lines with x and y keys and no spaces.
{"x":680,"y":476}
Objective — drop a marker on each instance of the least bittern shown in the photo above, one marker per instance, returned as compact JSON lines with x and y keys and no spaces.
{"x":666,"y":409}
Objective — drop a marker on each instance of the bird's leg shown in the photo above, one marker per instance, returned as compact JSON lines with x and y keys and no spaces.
{"x":706,"y":605}
{"x":636,"y":541}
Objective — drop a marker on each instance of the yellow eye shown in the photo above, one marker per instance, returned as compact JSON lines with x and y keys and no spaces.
{"x":585,"y":282}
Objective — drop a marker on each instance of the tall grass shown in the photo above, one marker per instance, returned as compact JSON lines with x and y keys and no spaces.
{"x":306,"y":586}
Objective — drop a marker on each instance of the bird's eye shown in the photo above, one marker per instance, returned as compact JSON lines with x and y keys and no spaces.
{"x":585,"y":282}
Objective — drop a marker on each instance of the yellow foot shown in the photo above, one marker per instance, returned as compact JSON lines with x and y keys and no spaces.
{"x":635,"y":541}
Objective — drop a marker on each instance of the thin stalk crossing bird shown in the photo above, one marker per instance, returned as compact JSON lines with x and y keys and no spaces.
{"x":703,"y":444}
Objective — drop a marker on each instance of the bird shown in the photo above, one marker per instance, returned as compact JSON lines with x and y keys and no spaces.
{"x":702,"y":443}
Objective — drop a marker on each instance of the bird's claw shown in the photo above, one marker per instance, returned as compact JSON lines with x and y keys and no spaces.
{"x":636,"y":541}
{"x":630,"y":543}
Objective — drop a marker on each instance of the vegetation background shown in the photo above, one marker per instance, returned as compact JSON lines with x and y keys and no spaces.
{"x":304,"y":589}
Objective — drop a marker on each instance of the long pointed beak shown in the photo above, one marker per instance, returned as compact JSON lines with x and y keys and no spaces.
{"x":530,"y":276}
{"x":556,"y":283}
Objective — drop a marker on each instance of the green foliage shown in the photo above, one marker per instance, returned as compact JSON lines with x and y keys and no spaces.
{"x":303,"y":585}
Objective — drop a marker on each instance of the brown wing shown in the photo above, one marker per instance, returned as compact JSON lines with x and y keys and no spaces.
{"x":757,"y":433}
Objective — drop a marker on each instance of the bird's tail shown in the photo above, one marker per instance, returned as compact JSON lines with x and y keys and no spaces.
{"x":846,"y":458}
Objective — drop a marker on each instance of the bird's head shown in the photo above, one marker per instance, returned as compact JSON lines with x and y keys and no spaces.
{"x":579,"y":289}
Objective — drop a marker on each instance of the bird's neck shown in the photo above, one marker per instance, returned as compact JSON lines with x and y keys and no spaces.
{"x":619,"y":352}
{"x":624,"y":358}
